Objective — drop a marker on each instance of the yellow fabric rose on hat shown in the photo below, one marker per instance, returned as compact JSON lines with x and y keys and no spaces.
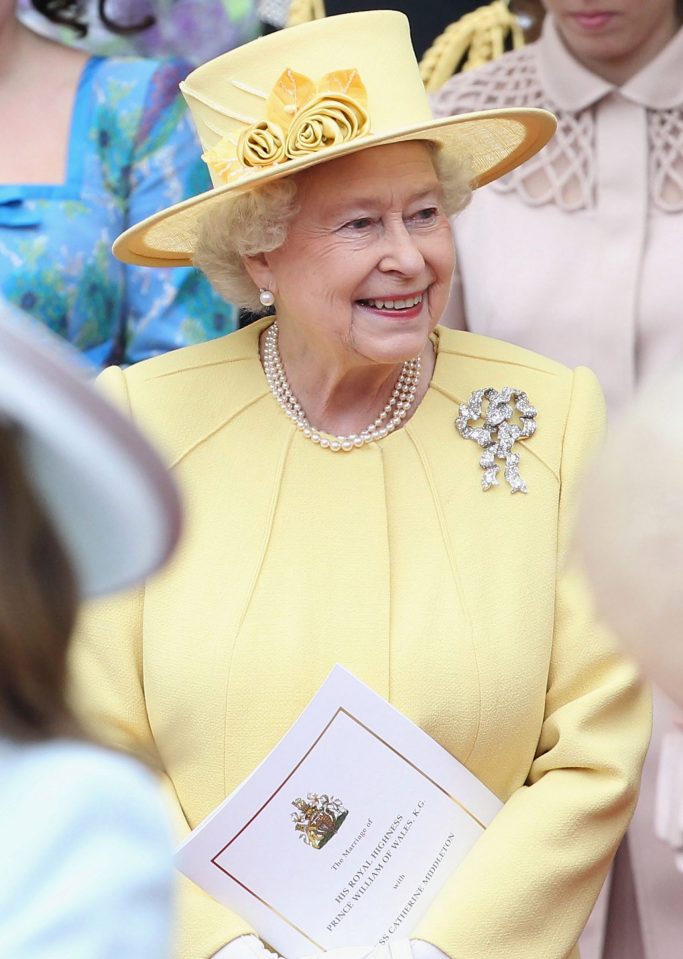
{"x":318,"y":115}
{"x":324,"y":122}
{"x":330,"y":112}
{"x":301,"y":117}
{"x":261,"y":144}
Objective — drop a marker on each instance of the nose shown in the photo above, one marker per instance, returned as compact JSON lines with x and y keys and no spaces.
{"x":402,"y":252}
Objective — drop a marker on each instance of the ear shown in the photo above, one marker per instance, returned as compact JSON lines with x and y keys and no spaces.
{"x":259,"y":270}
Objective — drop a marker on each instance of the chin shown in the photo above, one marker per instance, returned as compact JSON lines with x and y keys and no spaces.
{"x":397,"y":347}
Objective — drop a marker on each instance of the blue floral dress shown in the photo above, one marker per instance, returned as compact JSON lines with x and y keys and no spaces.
{"x":132,"y":152}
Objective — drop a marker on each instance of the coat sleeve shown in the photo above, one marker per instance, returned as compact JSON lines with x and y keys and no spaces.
{"x":526,"y":889}
{"x":108,"y":693}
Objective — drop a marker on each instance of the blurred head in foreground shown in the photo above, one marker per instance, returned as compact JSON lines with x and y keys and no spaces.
{"x":86,"y":508}
{"x":630,"y":532}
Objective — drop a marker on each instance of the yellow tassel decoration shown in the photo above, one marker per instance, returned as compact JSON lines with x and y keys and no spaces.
{"x":473,"y":40}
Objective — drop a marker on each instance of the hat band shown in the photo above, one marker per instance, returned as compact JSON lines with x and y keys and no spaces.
{"x":301,"y":117}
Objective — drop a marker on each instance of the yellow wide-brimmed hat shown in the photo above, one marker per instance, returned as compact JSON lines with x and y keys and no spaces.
{"x":309,"y":94}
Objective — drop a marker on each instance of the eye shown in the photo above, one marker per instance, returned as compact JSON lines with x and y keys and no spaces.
{"x":360,"y":223}
{"x":426,"y":215}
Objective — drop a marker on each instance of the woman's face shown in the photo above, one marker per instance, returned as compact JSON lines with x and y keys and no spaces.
{"x":367,"y":263}
{"x":608,"y":31}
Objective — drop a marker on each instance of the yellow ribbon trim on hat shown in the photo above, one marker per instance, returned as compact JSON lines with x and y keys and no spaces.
{"x":301,"y":117}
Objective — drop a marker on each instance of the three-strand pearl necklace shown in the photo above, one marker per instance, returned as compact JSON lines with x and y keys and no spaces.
{"x":391,"y":417}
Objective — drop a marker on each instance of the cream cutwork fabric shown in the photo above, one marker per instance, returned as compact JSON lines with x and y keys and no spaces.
{"x":665,"y":135}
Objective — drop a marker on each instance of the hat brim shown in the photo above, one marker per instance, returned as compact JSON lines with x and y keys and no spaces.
{"x":109,"y":496}
{"x":491,"y":142}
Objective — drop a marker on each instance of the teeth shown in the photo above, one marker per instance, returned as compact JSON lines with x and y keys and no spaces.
{"x":396,"y":304}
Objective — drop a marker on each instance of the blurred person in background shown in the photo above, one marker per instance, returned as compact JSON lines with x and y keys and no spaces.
{"x":577,"y":255}
{"x":91,"y":143}
{"x":631,"y":539}
{"x":86,"y":856}
{"x":193,"y":30}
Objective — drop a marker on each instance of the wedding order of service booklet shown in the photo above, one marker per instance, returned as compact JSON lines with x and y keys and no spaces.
{"x":345,"y":833}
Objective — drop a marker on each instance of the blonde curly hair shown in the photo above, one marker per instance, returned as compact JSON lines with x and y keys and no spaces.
{"x":257,"y":222}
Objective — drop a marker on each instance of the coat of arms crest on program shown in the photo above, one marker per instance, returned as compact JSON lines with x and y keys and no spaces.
{"x":317,"y":819}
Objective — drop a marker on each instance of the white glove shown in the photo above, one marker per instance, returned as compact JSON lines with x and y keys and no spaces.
{"x":425,"y":950}
{"x":393,"y":949}
{"x":245,"y":947}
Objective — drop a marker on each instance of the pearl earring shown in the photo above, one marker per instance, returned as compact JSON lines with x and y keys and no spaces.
{"x":266,"y":297}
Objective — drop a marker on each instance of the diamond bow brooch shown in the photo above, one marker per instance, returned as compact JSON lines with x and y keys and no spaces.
{"x":497,"y":434}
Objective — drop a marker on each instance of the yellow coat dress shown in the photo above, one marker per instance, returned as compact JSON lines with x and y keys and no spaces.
{"x":453,"y":603}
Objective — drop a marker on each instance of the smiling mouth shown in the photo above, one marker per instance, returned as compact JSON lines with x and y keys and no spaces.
{"x":395,"y":305}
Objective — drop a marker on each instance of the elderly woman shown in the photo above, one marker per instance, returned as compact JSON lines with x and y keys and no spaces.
{"x":346,"y":501}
